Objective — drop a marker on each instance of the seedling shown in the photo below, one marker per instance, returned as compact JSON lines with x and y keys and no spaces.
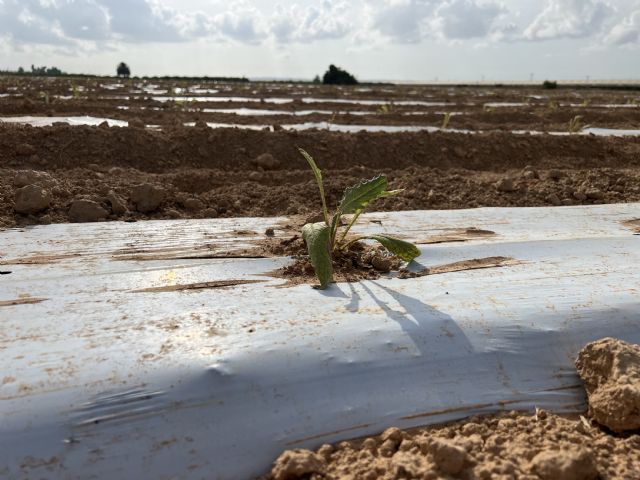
{"x":323,"y":238}
{"x":552,"y":106}
{"x":45,"y":96}
{"x":386,"y":108}
{"x":445,"y":120}
{"x":576,"y":125}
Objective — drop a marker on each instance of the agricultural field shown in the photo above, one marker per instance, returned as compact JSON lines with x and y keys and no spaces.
{"x":102,"y":149}
{"x":144,"y":150}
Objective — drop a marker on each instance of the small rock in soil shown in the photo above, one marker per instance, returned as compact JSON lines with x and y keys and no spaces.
{"x":580,"y":196}
{"x":554,"y":174}
{"x":569,"y":463}
{"x":450,"y":458}
{"x":595,"y":194}
{"x":136,"y":123}
{"x":147,"y":197}
{"x":33,"y":177}
{"x":610,"y":369}
{"x":295,"y":464}
{"x":381,"y":263}
{"x":553,"y":199}
{"x":118,"y":205}
{"x":86,"y":211}
{"x":172,"y":213}
{"x":193,"y":204}
{"x":505,"y":185}
{"x":266,"y":161}
{"x":25,"y":149}
{"x":32,"y":199}
{"x":210,"y":213}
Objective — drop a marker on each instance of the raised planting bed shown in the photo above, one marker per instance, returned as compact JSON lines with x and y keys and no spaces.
{"x":168,"y":349}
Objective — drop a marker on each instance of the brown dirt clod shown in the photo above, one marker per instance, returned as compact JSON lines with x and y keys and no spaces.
{"x":569,"y":463}
{"x":295,"y":464}
{"x":610,"y":369}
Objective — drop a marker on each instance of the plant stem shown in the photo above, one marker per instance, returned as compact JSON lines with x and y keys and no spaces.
{"x":346,"y":230}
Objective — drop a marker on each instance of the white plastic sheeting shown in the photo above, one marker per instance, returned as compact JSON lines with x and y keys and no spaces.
{"x":36,"y":121}
{"x":121,"y":359}
{"x":336,"y":127}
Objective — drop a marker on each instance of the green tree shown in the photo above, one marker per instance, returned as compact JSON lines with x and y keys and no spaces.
{"x":123,"y":70}
{"x":337,"y":76}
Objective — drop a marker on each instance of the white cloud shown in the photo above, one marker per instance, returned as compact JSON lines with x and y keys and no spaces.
{"x":464,"y":19}
{"x":143,"y":20}
{"x":241,"y":22}
{"x":69,"y":21}
{"x":569,"y":19}
{"x":401,"y":21}
{"x":412,"y":21}
{"x":625,"y":32}
{"x":84,"y":20}
{"x":327,"y":21}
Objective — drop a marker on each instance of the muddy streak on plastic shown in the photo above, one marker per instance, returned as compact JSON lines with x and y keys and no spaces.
{"x":124,"y":357}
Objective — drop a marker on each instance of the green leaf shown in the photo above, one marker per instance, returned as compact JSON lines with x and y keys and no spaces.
{"x":356,"y":198}
{"x":318,"y":238}
{"x":405,"y":250}
{"x":318,"y":174}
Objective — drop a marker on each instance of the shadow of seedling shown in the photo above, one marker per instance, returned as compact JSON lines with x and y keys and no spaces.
{"x":427,"y":327}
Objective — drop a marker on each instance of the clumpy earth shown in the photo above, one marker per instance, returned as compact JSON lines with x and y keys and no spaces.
{"x":168,"y":163}
{"x":507,"y":446}
{"x":72,"y":174}
{"x":611,"y":373}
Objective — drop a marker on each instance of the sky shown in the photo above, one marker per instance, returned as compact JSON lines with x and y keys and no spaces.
{"x":397,"y":40}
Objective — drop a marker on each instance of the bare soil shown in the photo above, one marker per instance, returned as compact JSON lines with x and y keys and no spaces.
{"x":204,"y":172}
{"x":201,"y":172}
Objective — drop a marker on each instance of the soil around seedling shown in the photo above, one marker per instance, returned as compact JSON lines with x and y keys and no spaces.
{"x":360,"y":261}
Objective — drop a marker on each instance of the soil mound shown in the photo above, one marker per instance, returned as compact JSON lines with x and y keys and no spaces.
{"x":507,"y":446}
{"x":610,"y":369}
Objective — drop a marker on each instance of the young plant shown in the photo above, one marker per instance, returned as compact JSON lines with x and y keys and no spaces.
{"x":552,"y":106}
{"x":445,"y":120}
{"x":323,"y":238}
{"x":576,"y":125}
{"x":386,"y":108}
{"x":45,"y":96}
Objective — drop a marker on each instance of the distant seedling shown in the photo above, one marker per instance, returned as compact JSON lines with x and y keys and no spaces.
{"x":553,"y":106}
{"x":576,"y":125}
{"x":387,"y":108}
{"x":45,"y":96}
{"x":322,"y":238}
{"x":445,"y":120}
